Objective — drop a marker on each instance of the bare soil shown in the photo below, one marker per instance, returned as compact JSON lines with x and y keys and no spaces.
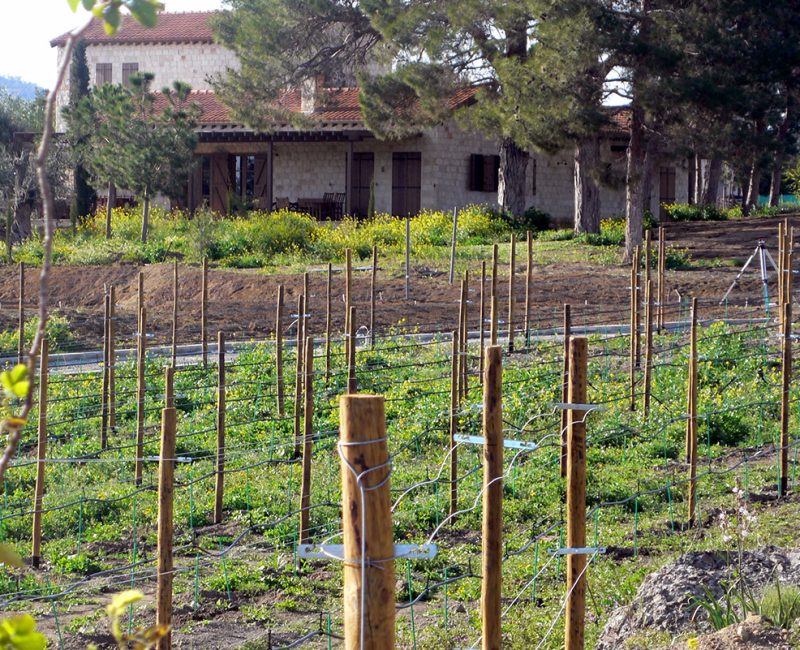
{"x":243,"y":302}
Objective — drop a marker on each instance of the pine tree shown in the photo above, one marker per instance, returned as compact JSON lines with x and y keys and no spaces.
{"x":84,"y":197}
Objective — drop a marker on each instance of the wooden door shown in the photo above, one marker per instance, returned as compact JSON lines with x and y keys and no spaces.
{"x":220,"y":183}
{"x":406,"y":183}
{"x":666,"y":191}
{"x":263,"y":182}
{"x":360,"y":182}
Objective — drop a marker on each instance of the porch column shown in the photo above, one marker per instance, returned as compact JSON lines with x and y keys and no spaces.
{"x":270,"y":175}
{"x":348,"y":179}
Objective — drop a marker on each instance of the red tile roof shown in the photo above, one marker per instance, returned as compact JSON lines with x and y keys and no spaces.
{"x":620,"y":118}
{"x":188,"y":27}
{"x":340,"y":105}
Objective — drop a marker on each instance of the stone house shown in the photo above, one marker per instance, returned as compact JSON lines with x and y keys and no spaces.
{"x":331,"y":167}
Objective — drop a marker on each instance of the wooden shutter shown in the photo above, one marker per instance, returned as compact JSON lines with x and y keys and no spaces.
{"x":220,"y":183}
{"x":406,"y":183}
{"x":102,"y":74}
{"x":128,"y":69}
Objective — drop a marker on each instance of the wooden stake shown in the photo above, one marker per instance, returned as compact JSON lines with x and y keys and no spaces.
{"x":495,"y":313}
{"x":408,"y":256}
{"x":691,"y":421}
{"x":528,"y":286}
{"x":139,"y":292}
{"x":369,"y":579}
{"x":175,"y":314}
{"x":348,"y":282}
{"x":482,"y":319}
{"x":112,"y":359}
{"x":662,"y":278}
{"x":298,"y":374}
{"x":166,"y":480}
{"x":219,"y":470}
{"x":648,"y":250}
{"x":372,"y":281}
{"x":648,"y":347}
{"x":452,"y":275}
{"x":104,"y":383}
{"x":462,"y":307}
{"x":328,"y":324}
{"x":21,"y":315}
{"x":140,"y":395}
{"x":308,"y":436}
{"x":575,"y":611}
{"x":352,"y":385}
{"x":41,"y":455}
{"x":638,"y":258}
{"x":565,"y":387}
{"x":279,"y":350}
{"x":454,"y":402}
{"x":511,"y":272}
{"x":786,"y":381}
{"x":492,"y":533}
{"x":633,"y":328}
{"x":781,"y":272}
{"x":204,"y":312}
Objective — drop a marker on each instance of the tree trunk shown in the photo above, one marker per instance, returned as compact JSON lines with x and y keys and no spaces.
{"x":775,"y":184}
{"x":511,"y":184}
{"x":710,"y":195}
{"x":587,"y":194}
{"x":651,"y":154}
{"x":751,"y":197}
{"x":110,"y":204}
{"x":698,"y":178}
{"x":634,"y":171}
{"x":145,"y":214}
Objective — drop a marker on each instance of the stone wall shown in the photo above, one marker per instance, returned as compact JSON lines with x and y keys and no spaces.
{"x":193,"y":63}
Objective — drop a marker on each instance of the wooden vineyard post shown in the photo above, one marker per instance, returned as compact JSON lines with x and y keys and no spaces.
{"x":648,"y":348}
{"x":691,"y":416}
{"x":781,"y":271}
{"x":41,"y":455}
{"x":348,"y":280}
{"x":662,"y":276}
{"x":575,"y":610}
{"x":21,"y":315}
{"x":634,"y":327}
{"x":565,"y":387}
{"x":492,"y":534}
{"x":494,"y":307}
{"x":372,"y":280}
{"x":166,"y":481}
{"x":352,"y":384}
{"x":369,"y":580}
{"x":279,"y":351}
{"x":112,"y":359}
{"x":462,"y":335}
{"x":140,"y":395}
{"x":408,"y":256}
{"x":786,"y":379}
{"x":308,"y":435}
{"x":219,"y":470}
{"x":298,"y":373}
{"x":452,"y":275}
{"x":638,"y":256}
{"x":482,"y":321}
{"x":465,"y":340}
{"x":104,"y":383}
{"x":648,"y":251}
{"x":329,"y":289}
{"x":511,"y":271}
{"x":175,"y":314}
{"x":528,"y":284}
{"x":204,"y":312}
{"x":139,"y":292}
{"x":454,"y":402}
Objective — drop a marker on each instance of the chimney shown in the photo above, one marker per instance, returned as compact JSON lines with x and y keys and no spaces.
{"x":309,"y":94}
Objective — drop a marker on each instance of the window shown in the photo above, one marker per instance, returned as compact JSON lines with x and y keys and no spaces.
{"x":484,"y":173}
{"x":102,"y":74}
{"x":128,"y":69}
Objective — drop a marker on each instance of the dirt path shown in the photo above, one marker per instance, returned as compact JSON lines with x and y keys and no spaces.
{"x":243,"y":302}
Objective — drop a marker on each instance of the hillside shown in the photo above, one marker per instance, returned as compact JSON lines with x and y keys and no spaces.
{"x":19,"y":87}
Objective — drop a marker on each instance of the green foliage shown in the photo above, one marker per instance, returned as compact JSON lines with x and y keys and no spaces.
{"x":612,"y":233}
{"x":19,"y":633}
{"x":58,"y":333}
{"x":534,"y":219}
{"x":781,"y":604}
{"x":686,"y":212}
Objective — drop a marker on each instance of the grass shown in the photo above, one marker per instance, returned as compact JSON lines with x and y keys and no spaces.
{"x":97,"y":520}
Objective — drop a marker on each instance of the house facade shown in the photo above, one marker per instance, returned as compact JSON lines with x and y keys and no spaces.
{"x":335,"y":160}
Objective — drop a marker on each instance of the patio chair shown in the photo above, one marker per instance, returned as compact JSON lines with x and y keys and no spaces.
{"x":328,"y":208}
{"x":281,"y":203}
{"x":338,"y":205}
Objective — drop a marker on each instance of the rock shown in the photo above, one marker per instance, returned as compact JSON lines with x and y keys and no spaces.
{"x":666,"y":599}
{"x":743,"y":633}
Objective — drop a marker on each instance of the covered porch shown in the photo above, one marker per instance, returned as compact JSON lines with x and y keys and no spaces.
{"x":327,"y":173}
